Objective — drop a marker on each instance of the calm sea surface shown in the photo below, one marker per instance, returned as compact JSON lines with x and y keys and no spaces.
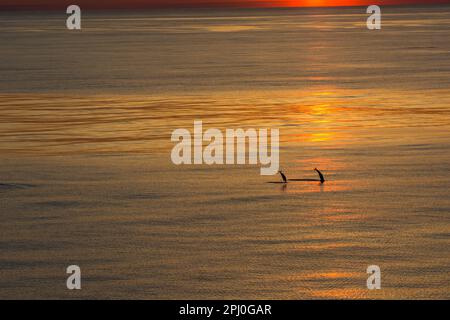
{"x":86,"y":176}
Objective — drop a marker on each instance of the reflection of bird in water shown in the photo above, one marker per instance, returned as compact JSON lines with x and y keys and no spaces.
{"x":285,"y":180}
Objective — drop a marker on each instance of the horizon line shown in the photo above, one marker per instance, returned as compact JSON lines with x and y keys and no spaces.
{"x":200,"y":7}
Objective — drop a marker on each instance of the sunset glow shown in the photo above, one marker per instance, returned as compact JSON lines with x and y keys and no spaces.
{"x":131,"y":4}
{"x":198,"y":151}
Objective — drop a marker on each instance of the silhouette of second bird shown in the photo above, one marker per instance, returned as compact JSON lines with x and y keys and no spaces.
{"x":285,"y":179}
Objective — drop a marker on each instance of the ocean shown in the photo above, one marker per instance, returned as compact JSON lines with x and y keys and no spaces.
{"x":86,"y":176}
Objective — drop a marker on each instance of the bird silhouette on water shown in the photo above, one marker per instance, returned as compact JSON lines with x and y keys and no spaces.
{"x":322,"y":179}
{"x":283,"y":176}
{"x":286,"y":180}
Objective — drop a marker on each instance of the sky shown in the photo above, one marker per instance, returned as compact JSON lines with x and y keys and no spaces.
{"x":132,"y":4}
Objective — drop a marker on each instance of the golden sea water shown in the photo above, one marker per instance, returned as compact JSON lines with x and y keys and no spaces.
{"x":86,"y":176}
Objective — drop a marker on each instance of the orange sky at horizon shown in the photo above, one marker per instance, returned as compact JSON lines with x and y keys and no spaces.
{"x":106,"y":4}
{"x":324,"y":3}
